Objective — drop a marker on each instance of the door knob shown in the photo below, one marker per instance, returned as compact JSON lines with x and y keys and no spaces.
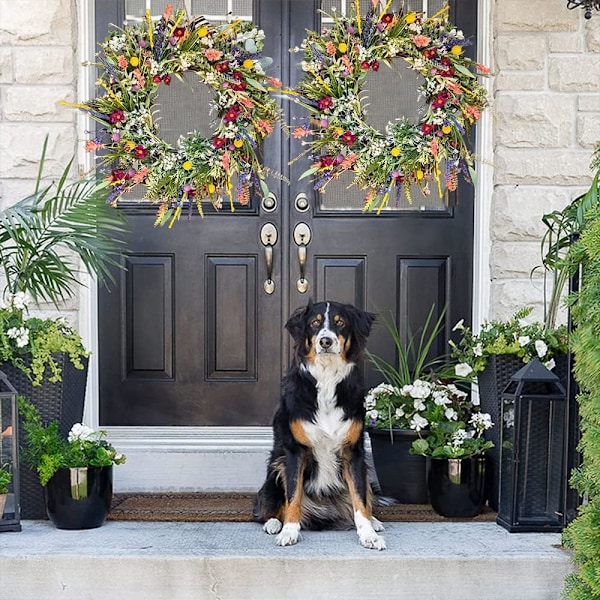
{"x":268,"y":238}
{"x":302,"y":235}
{"x":301,"y":202}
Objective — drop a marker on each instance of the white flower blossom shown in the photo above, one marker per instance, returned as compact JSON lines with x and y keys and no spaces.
{"x":541,"y":348}
{"x":458,"y":437}
{"x":523,"y":340}
{"x":550,"y":364}
{"x":20,"y":335}
{"x":478,"y":349}
{"x":481,"y":421}
{"x":451,"y":414}
{"x":463,"y":370}
{"x":418,"y":422}
{"x":459,"y":325}
{"x":83,"y":433}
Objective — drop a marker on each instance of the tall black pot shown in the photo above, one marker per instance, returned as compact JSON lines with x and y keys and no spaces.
{"x":401,"y":475}
{"x":62,"y":401}
{"x":80,"y":497}
{"x":456,"y":486}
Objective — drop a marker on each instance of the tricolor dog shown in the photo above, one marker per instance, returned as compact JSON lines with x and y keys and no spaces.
{"x":317,"y":476}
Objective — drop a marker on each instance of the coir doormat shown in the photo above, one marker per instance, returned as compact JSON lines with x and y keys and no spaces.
{"x":237,"y":508}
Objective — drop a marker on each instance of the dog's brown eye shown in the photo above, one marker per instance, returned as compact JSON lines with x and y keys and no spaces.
{"x":339,"y":322}
{"x":315,"y":322}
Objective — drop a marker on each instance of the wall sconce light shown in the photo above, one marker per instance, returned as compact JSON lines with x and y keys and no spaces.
{"x":587,"y":5}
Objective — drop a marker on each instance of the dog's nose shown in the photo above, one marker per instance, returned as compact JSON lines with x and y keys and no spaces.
{"x":325,"y":342}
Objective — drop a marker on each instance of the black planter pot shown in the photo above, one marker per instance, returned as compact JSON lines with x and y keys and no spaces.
{"x":456,"y":486}
{"x":401,"y":475}
{"x":79,"y":498}
{"x":62,"y":401}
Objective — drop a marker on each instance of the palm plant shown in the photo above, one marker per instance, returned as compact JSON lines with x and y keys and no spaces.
{"x":413,"y":358}
{"x":43,"y":235}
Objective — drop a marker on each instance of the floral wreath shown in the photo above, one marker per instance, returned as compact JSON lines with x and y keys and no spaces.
{"x":134,"y":63}
{"x":335,"y":64}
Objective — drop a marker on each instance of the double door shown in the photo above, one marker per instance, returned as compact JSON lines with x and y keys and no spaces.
{"x":193,"y":332}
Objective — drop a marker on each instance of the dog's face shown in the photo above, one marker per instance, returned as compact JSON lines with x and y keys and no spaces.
{"x":330,"y":328}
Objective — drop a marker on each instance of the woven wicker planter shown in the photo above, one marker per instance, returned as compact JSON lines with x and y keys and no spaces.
{"x":63,"y":402}
{"x":492,"y":381}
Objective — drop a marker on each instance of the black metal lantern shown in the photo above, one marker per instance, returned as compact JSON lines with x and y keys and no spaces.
{"x":587,"y":5}
{"x":10,"y":504}
{"x":533,"y":445}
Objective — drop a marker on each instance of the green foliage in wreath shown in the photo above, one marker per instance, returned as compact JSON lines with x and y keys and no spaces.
{"x":336,"y":62}
{"x":134,"y":63}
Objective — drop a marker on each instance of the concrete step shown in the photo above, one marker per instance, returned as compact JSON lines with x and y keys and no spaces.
{"x":231,"y":561}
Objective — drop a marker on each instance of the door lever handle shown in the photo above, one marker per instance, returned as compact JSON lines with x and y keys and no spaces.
{"x":302,"y":235}
{"x":268,"y":238}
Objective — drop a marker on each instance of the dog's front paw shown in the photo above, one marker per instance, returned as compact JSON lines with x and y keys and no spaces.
{"x":273,"y":526}
{"x":289,"y":534}
{"x":372,"y":540}
{"x":377,"y":524}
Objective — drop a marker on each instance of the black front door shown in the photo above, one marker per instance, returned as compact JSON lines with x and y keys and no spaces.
{"x":193,"y":334}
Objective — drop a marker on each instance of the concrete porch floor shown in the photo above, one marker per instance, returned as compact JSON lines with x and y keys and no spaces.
{"x":231,"y":561}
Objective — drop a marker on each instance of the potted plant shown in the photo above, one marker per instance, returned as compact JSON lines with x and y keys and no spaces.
{"x":493,"y":355}
{"x":76,"y":472}
{"x":44,"y":238}
{"x":455,"y":450}
{"x":5,"y":479}
{"x":401,"y":475}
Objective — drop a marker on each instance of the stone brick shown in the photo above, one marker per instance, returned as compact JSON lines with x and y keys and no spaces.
{"x":517,"y":211}
{"x":521,"y":52}
{"x":44,"y":65}
{"x":566,"y":167}
{"x":6,"y":66}
{"x":37,"y":103}
{"x":588,"y":129}
{"x":21,"y":149}
{"x":592,"y":35}
{"x":515,"y":259}
{"x":13,"y":190}
{"x":574,"y":74}
{"x":509,"y":296}
{"x":535,"y":120}
{"x":535,"y":15}
{"x":516,"y":80}
{"x":588,"y":102}
{"x":46,"y":22}
{"x":565,"y":42}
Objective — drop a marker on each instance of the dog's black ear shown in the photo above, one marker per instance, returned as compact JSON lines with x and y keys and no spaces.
{"x":296,"y":324}
{"x":362,"y":319}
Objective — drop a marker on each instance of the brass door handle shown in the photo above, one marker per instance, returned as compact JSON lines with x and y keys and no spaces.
{"x":302,"y":235}
{"x":268,"y":238}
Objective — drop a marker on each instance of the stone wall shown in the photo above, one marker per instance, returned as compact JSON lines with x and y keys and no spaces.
{"x":546,"y":68}
{"x":38,"y":69}
{"x":547,"y":121}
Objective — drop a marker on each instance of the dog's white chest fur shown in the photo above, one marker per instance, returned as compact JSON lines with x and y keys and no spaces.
{"x":330,"y":429}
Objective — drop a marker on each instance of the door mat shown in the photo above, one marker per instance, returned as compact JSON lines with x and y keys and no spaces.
{"x":237,"y":508}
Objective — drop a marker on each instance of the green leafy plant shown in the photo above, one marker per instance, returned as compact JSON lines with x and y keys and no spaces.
{"x":583,"y":534}
{"x":562,"y":230}
{"x":42,"y":239}
{"x":46,"y":451}
{"x":413,"y":358}
{"x":5,"y":478}
{"x":449,"y":426}
{"x":515,"y":336}
{"x":43,"y":235}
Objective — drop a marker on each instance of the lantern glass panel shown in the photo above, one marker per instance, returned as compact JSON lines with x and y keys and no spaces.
{"x":9,"y":463}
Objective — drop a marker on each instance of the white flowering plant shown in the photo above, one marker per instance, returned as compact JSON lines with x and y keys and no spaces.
{"x":47,"y":451}
{"x":451,"y":426}
{"x":29,"y":342}
{"x":516,"y":336}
